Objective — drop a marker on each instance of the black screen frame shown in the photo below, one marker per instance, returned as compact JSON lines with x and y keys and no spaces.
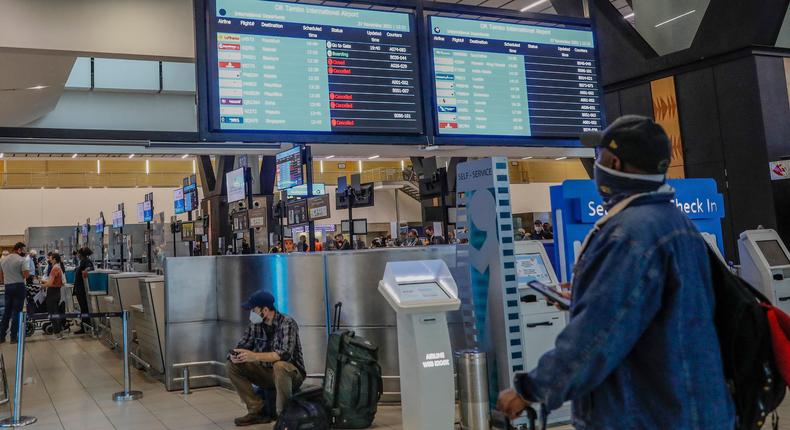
{"x":206,"y":133}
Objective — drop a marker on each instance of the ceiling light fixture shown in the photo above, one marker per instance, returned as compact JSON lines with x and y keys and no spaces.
{"x":403,"y":164}
{"x":677,"y":17}
{"x":147,"y":167}
{"x":2,"y":155}
{"x":329,"y":157}
{"x":194,"y":167}
{"x":74,"y":156}
{"x":98,"y":167}
{"x":373,"y":157}
{"x":629,"y":16}
{"x":528,"y":158}
{"x":321,"y":165}
{"x":38,"y":87}
{"x":537,"y":3}
{"x":184,"y":156}
{"x":560,"y":158}
{"x":131,"y":156}
{"x":360,"y":166}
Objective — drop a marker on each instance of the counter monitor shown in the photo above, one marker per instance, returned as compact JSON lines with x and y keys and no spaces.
{"x":236,"y":186}
{"x":100,"y":226}
{"x":190,"y":197}
{"x":117,"y":219}
{"x":773,"y":253}
{"x":294,"y":67}
{"x":289,"y":168}
{"x":148,"y":211}
{"x":504,"y":79}
{"x":178,"y":201}
{"x":188,"y":231}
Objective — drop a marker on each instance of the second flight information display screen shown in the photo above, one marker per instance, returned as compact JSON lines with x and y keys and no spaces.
{"x":295,"y":67}
{"x":502,"y":79}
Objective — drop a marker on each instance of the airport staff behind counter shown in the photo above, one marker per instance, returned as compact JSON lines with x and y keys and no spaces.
{"x":269,"y":356}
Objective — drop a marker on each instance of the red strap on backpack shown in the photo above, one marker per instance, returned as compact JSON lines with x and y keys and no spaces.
{"x":779,"y":324}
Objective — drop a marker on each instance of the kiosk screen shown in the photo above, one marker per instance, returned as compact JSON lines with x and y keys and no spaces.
{"x":422,"y":292}
{"x":530,"y":267}
{"x":773,"y":253}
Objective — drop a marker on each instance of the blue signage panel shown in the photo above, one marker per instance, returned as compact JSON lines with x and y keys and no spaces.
{"x":576,"y":206}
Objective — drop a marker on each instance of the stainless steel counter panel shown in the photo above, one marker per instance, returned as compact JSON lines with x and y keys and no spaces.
{"x":188,"y":342}
{"x":191,"y":289}
{"x":353,"y":278}
{"x":150,"y":325}
{"x":296,"y":281}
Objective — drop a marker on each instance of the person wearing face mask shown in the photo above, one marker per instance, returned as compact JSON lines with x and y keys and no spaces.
{"x":412,"y":239}
{"x":640,"y":350}
{"x":14,"y":272}
{"x":269,"y":355}
{"x":538,"y":233}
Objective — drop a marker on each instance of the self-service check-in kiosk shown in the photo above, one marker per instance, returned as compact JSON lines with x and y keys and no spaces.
{"x":541,"y":322}
{"x":765,"y":263}
{"x":421,"y":293}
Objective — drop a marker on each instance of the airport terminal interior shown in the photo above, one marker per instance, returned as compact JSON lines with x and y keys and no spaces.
{"x":315,"y":214}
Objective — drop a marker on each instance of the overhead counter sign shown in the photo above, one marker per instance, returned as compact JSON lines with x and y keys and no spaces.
{"x":576,"y":206}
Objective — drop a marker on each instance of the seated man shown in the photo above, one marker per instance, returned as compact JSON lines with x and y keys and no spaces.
{"x":269,"y":356}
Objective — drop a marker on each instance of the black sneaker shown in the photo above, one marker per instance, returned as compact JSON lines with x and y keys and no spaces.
{"x":251,"y":419}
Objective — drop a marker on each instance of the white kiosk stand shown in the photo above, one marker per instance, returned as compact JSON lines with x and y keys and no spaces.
{"x":541,"y":322}
{"x":421,"y":292}
{"x":765,"y":263}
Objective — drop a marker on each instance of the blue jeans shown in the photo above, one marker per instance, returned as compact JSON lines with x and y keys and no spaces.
{"x":14,"y":301}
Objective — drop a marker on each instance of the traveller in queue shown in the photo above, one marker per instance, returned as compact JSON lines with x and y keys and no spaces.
{"x":14,"y":274}
{"x":302,"y":245}
{"x":641,"y":348}
{"x":412,"y":239}
{"x":432,"y":238}
{"x":80,"y":290}
{"x":269,"y":355}
{"x":341,"y":244}
{"x":53,"y":285}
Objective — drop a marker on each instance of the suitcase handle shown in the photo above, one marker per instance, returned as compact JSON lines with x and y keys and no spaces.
{"x":336,"y":316}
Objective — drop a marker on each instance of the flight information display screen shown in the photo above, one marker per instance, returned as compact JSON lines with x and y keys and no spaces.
{"x":295,"y":67}
{"x":502,"y":79}
{"x":289,"y":168}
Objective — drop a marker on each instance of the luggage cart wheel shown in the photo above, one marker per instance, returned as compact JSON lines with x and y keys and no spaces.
{"x":30,"y":328}
{"x":48,"y":328}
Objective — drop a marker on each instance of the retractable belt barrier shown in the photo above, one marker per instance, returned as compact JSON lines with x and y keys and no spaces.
{"x":18,"y":420}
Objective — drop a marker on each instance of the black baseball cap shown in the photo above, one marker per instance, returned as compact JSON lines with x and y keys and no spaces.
{"x":259,"y":299}
{"x":635,"y":140}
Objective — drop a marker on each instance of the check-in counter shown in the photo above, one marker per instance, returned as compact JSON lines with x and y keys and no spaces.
{"x":97,"y":285}
{"x":147,"y":320}
{"x":123,"y":291}
{"x":204,"y":319}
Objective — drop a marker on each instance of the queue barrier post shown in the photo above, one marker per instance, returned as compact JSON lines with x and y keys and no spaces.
{"x":127,"y":393}
{"x":17,"y":419}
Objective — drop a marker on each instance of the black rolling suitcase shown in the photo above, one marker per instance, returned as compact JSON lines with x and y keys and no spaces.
{"x":353,"y":384}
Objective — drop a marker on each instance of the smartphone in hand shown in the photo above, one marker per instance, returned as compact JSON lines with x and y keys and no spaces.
{"x":551,"y":294}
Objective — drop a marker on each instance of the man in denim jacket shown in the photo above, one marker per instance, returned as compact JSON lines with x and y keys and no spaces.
{"x":640,"y":351}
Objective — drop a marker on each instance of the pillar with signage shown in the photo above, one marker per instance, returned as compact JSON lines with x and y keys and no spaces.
{"x":576,"y":206}
{"x":484,"y":211}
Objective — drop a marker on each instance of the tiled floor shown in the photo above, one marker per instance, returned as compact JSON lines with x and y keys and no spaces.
{"x":69,"y":386}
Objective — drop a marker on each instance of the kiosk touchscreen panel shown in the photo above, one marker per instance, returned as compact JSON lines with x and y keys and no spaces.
{"x":421,"y":292}
{"x":294,"y":67}
{"x":773,"y":253}
{"x":530,"y":267}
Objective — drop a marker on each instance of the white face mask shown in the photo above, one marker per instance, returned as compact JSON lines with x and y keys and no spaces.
{"x":255,"y":318}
